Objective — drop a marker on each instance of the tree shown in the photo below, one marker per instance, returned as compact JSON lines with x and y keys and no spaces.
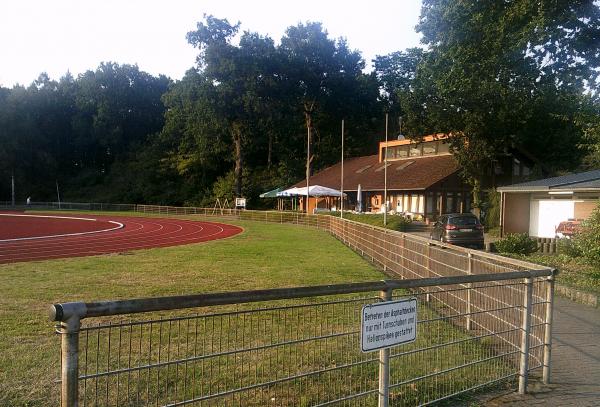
{"x":238,"y":76}
{"x":317,"y":66}
{"x":498,"y":72}
{"x":396,"y":73}
{"x":75,"y":130}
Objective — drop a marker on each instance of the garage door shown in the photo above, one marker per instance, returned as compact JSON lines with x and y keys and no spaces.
{"x":546,"y":215}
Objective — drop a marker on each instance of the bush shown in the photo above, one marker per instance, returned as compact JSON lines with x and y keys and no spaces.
{"x":492,"y":212}
{"x":394,"y":222}
{"x":568,"y":247}
{"x":587,"y":240}
{"x":517,"y":243}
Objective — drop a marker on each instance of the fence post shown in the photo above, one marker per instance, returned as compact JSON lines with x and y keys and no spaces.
{"x":469,"y":288}
{"x":372,"y":245}
{"x":384,"y":362}
{"x":548,"y":330}
{"x":428,"y":269}
{"x":403,"y":268}
{"x":524,"y":366}
{"x":69,"y":374}
{"x":385,"y":250}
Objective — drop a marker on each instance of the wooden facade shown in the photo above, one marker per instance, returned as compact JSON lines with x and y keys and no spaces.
{"x":423,"y":180}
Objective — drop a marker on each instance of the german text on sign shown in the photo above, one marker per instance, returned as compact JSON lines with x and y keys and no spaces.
{"x":386,"y":324}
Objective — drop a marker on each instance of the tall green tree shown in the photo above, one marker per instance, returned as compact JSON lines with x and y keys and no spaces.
{"x":239,"y":74}
{"x":505,"y":73}
{"x":76,"y":129}
{"x":316,"y":69}
{"x":396,"y":72}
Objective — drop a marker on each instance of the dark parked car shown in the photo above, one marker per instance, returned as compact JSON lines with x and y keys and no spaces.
{"x":462,"y":229}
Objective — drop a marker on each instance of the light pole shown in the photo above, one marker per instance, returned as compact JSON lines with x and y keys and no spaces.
{"x":307,"y":164}
{"x":342,"y":177}
{"x":13,"y":189}
{"x":385,"y":173}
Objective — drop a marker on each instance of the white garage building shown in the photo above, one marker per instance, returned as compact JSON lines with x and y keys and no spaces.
{"x":537,"y":207}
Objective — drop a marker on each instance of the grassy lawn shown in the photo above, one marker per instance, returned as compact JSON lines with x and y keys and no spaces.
{"x":263,"y":256}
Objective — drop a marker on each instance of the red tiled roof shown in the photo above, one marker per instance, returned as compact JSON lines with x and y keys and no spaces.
{"x":407,"y":174}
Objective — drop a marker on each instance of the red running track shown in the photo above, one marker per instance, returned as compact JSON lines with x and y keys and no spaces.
{"x":34,"y":237}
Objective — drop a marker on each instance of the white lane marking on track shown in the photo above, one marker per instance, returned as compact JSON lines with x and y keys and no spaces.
{"x":100,"y":246}
{"x":80,"y":242}
{"x":46,"y":216}
{"x":18,"y":239}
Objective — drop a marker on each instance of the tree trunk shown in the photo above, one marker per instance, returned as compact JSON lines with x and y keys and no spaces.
{"x":237,"y":141}
{"x":476,"y":207}
{"x":270,"y":150}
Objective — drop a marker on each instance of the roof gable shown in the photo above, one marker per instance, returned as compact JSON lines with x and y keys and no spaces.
{"x":407,"y":174}
{"x":588,"y":179}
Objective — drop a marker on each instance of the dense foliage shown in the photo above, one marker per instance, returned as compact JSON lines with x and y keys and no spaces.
{"x":510,"y":73}
{"x":516,"y":243}
{"x":587,"y":240}
{"x":393,"y":222}
{"x":497,"y":75}
{"x":77,"y":132}
{"x":492,"y":209}
{"x":234,"y":125}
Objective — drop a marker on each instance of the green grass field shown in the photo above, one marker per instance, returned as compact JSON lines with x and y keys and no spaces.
{"x":263,"y":256}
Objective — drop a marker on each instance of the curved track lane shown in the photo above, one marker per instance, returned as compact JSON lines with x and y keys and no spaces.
{"x":137,"y":233}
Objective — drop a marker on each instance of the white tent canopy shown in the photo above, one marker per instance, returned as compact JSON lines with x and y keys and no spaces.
{"x":314,"y":190}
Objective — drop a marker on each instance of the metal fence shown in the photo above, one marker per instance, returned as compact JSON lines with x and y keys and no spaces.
{"x":289,"y":352}
{"x":482,"y":319}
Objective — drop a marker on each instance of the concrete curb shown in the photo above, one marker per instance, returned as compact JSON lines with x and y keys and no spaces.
{"x":581,"y":297}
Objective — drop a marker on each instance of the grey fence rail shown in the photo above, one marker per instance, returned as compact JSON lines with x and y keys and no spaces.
{"x":482,"y":319}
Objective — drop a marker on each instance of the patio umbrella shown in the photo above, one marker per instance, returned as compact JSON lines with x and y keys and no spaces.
{"x":270,"y":194}
{"x":314,"y":190}
{"x":288,"y":192}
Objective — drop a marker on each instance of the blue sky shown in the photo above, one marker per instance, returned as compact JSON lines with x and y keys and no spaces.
{"x":76,"y":35}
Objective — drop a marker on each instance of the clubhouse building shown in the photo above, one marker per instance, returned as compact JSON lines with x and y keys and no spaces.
{"x":423,"y":179}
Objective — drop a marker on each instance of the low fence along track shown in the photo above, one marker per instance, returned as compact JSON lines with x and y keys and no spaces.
{"x":482,"y":319}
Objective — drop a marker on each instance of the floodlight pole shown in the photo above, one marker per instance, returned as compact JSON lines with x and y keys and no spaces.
{"x":57,"y":194}
{"x":342,"y":177}
{"x":385,"y":173}
{"x":12,"y":182}
{"x":307,"y":165}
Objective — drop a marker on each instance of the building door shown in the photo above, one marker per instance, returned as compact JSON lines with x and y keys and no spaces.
{"x":546,"y":215}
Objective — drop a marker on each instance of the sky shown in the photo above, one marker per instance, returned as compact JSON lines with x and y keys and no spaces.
{"x":76,"y":35}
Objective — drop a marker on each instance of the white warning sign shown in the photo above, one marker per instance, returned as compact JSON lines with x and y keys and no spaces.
{"x":389,"y":323}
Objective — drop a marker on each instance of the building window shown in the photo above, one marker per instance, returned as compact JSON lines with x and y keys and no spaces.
{"x":421,"y":207}
{"x":403,"y":152}
{"x":406,"y":202}
{"x":399,"y":203}
{"x":429,"y":148}
{"x":443,"y":148}
{"x":526,"y":171}
{"x":430,"y":199}
{"x":450,"y":208}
